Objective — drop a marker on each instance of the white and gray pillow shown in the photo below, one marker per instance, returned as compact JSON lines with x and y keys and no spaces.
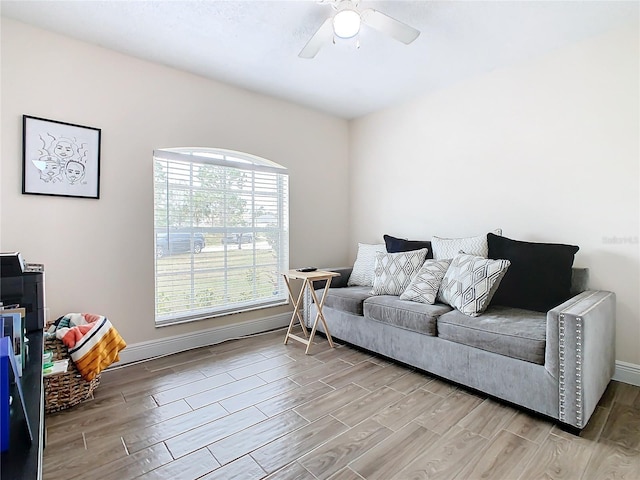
{"x":470,"y":282}
{"x":394,"y":271}
{"x":425,"y":285}
{"x":447,"y":248}
{"x":362,"y":273}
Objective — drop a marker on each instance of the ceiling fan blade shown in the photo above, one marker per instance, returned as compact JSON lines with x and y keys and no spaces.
{"x":392,"y":27}
{"x":320,"y":38}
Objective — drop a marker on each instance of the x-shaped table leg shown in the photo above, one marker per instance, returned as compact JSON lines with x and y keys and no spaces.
{"x":296,"y":309}
{"x":319,"y":314}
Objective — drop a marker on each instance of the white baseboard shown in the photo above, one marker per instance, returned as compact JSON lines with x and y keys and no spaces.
{"x":180,"y":343}
{"x":627,"y":373}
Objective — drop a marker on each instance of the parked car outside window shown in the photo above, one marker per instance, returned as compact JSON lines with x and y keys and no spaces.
{"x":178,"y":242}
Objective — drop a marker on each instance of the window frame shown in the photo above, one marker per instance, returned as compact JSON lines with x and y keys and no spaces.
{"x":230,"y":161}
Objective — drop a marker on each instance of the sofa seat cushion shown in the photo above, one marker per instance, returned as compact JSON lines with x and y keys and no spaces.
{"x":347,"y":299}
{"x":513,"y":332}
{"x":417,"y":317}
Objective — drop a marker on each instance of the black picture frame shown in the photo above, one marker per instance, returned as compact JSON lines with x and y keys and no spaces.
{"x":60,"y":158}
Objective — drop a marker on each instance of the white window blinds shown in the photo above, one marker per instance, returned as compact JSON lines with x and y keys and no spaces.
{"x":221,"y":233}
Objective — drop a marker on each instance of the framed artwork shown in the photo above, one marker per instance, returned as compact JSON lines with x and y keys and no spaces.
{"x":60,"y":158}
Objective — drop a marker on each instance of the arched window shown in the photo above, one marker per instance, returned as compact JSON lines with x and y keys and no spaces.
{"x":221,"y":233}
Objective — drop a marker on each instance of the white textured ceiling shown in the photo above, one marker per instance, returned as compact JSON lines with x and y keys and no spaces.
{"x":254,"y":44}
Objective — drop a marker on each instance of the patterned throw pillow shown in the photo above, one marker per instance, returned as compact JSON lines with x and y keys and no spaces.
{"x":394,"y":271}
{"x":425,"y":285}
{"x":447,"y":248}
{"x":362,"y":273}
{"x":471,"y":281}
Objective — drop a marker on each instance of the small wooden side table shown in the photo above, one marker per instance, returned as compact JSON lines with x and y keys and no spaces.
{"x":308,"y":279}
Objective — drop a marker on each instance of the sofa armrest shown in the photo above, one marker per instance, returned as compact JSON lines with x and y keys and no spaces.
{"x":336,"y":282}
{"x":580,"y":352}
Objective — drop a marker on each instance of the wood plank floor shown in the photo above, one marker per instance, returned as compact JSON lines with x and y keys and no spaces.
{"x":255,"y":408}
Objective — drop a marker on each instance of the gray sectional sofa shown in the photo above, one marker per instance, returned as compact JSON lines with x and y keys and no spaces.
{"x":556,"y":363}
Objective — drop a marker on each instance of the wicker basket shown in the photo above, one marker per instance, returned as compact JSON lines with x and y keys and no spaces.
{"x":64,"y":390}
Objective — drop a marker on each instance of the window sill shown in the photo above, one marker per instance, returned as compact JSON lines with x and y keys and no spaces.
{"x":210,"y":315}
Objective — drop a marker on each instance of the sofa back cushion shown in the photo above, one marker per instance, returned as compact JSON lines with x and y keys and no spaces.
{"x":579,"y":280}
{"x":539,"y":277}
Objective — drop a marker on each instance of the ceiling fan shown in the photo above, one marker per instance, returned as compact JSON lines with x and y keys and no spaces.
{"x":346,"y":21}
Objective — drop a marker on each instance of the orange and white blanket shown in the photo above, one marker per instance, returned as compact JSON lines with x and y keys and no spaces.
{"x":92,"y":340}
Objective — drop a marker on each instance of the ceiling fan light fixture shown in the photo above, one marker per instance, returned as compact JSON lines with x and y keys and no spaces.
{"x":346,"y":23}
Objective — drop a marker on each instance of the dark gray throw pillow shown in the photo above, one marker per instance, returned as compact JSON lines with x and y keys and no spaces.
{"x":539,"y":277}
{"x":397,"y":245}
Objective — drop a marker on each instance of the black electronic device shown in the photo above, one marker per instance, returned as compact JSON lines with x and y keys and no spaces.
{"x":26,"y":290}
{"x":11,"y":264}
{"x":306,"y":269}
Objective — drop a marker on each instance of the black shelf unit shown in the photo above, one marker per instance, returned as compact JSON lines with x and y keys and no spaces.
{"x":23,"y":460}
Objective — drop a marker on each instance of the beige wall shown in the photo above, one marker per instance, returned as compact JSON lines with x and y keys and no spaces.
{"x":99,"y":253}
{"x":547,"y":150}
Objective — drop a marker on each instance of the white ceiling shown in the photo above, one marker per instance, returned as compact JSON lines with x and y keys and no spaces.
{"x":255,"y":44}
